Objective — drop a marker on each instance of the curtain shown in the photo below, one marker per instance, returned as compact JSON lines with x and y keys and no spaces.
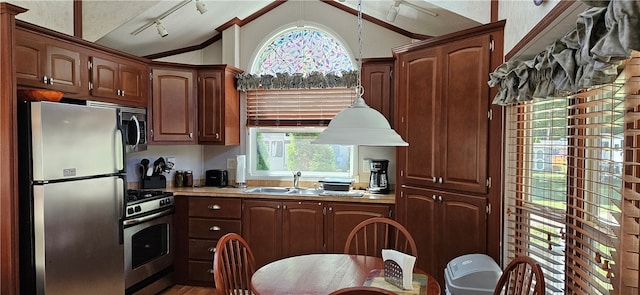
{"x":588,"y":55}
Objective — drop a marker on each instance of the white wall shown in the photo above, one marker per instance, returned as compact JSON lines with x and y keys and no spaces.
{"x":54,"y":15}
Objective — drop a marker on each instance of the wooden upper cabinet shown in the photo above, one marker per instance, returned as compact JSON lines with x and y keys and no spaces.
{"x":173,"y":107}
{"x":443,"y":105}
{"x":218,"y":106}
{"x":378,"y":85}
{"x":119,"y":81}
{"x":43,"y":62}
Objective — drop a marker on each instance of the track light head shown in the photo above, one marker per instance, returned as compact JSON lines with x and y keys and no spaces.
{"x":393,"y":11}
{"x":162,"y":31}
{"x":201,"y":7}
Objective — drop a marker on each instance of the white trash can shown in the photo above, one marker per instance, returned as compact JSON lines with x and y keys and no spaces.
{"x":471,"y":274}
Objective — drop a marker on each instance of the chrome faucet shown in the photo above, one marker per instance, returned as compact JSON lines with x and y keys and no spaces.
{"x":296,"y":179}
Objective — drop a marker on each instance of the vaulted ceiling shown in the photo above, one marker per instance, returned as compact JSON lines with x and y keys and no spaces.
{"x":114,"y":23}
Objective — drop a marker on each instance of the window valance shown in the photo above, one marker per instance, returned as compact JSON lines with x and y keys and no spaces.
{"x":587,"y":56}
{"x":346,"y":79}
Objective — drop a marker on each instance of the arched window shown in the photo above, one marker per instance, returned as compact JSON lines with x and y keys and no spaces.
{"x":284,"y":114}
{"x":302,"y":50}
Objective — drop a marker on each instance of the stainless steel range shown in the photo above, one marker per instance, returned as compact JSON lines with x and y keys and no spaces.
{"x":148,"y":241}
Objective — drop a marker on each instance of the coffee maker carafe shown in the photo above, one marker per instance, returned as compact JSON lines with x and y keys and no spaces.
{"x":378,"y":181}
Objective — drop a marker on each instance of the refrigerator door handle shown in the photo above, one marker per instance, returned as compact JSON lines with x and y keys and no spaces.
{"x":121,"y":206}
{"x":120,"y":145}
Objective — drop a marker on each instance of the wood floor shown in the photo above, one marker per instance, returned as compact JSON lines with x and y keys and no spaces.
{"x":189,"y":290}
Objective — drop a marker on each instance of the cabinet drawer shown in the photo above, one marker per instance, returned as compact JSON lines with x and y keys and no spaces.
{"x":215,"y":207}
{"x":201,"y":271}
{"x":201,"y":249}
{"x":212,"y":228}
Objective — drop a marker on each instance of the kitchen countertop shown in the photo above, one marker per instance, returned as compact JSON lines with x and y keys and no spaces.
{"x":239,"y":193}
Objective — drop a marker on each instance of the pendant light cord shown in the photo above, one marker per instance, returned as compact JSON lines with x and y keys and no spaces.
{"x":359,"y":88}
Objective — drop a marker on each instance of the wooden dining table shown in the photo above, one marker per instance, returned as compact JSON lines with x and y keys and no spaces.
{"x":321,"y":274}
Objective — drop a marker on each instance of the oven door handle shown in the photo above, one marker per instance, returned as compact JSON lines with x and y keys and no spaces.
{"x":134,"y":221}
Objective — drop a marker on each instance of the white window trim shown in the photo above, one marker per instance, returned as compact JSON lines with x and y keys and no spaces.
{"x":252,"y":174}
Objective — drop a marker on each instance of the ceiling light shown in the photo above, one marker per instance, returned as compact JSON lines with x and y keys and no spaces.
{"x":162,"y":31}
{"x":201,"y":7}
{"x":393,"y":11}
{"x":160,"y":17}
{"x":395,"y":8}
{"x":359,"y":124}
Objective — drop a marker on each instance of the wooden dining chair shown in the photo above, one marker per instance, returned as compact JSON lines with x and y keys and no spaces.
{"x":522,"y":276}
{"x":362,"y":290}
{"x":370,"y":236}
{"x":233,"y":265}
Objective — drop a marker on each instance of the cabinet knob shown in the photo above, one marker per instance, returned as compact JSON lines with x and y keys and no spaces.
{"x":440,"y":199}
{"x":214,"y":207}
{"x":217,"y":135}
{"x":122,"y":92}
{"x":435,"y":179}
{"x":210,"y":271}
{"x":45,"y":79}
{"x":50,"y":81}
{"x":214,"y":228}
{"x":212,"y":249}
{"x":190,"y":134}
{"x":434,"y":197}
{"x":284,"y":207}
{"x":440,"y":180}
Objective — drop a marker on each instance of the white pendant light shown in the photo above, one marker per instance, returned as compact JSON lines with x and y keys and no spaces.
{"x":360,"y":124}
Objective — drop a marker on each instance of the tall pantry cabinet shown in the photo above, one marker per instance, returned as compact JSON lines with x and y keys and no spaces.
{"x":443,"y":109}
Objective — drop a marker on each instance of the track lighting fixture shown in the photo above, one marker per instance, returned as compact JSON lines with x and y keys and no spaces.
{"x":162,"y":31}
{"x":201,"y":7}
{"x":393,"y":11}
{"x":395,"y":8}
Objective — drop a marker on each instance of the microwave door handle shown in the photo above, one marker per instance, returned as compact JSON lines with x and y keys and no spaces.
{"x":137,"y":130}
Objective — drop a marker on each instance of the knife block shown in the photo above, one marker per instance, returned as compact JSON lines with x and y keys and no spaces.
{"x":158,"y":181}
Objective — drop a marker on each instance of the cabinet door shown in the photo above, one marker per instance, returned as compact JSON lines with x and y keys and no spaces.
{"x":262,"y":229}
{"x":417,"y":213}
{"x":173,"y":106}
{"x":302,"y":228}
{"x":419,"y":116}
{"x":211,"y":107}
{"x":464,"y":130}
{"x":63,"y":67}
{"x":462,"y":224}
{"x":219,"y":107}
{"x":104,"y":78}
{"x":30,"y":65}
{"x":133,"y":84}
{"x":376,"y":80}
{"x":342,"y":218}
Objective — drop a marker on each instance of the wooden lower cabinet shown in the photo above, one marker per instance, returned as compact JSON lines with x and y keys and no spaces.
{"x":278,"y":229}
{"x":199,"y":223}
{"x":444,"y":225}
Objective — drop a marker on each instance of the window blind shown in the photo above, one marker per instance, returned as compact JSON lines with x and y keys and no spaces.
{"x":572,"y":188}
{"x":296,"y":107}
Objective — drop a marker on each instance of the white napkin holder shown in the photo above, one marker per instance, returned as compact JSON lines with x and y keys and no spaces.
{"x":398,"y":268}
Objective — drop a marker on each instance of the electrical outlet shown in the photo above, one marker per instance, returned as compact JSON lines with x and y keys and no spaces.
{"x":231,"y":163}
{"x":171,"y":160}
{"x":365,"y":165}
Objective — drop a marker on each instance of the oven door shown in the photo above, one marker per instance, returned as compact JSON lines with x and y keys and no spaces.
{"x":148,"y":246}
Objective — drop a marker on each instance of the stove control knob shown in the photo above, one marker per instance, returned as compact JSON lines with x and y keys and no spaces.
{"x":129,"y":210}
{"x":138,"y":208}
{"x":168,"y":201}
{"x":162,"y":203}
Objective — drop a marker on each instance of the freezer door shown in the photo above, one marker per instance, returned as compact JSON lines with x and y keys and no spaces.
{"x":70,"y":141}
{"x":77,"y":242}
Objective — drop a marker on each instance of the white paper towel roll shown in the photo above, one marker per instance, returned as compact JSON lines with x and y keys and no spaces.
{"x":241,"y":168}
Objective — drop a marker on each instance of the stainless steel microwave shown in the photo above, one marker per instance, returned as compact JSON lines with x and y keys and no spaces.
{"x":134,"y":125}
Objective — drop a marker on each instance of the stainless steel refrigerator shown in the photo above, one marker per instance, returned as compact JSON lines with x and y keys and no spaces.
{"x":72,"y":186}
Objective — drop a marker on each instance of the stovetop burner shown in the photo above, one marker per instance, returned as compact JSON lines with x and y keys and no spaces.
{"x":143,"y":202}
{"x":139,"y":195}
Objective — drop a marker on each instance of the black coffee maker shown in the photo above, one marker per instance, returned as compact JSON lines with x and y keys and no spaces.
{"x":378,"y":181}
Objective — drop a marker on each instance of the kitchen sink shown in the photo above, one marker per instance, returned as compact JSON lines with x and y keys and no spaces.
{"x":270,"y":190}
